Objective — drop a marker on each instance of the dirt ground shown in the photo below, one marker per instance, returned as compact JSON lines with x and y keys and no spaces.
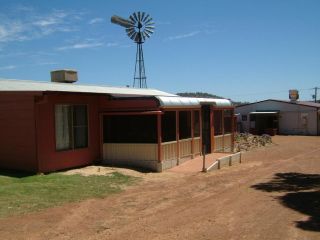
{"x":273,"y":194}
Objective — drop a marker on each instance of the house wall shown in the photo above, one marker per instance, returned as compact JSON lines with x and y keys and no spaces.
{"x":17,"y":132}
{"x":49,"y":158}
{"x":27,"y":127}
{"x":293,"y":118}
{"x":134,"y":104}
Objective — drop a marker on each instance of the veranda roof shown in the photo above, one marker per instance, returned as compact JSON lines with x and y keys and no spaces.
{"x":176,"y":101}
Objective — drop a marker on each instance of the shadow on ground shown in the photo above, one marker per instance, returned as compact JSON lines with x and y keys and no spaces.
{"x":138,"y":169}
{"x":15,"y":174}
{"x":302,"y":193}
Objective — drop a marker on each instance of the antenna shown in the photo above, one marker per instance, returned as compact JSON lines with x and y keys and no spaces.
{"x":139,"y":27}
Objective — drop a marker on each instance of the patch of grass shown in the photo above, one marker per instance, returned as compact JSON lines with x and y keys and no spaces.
{"x":24,"y":194}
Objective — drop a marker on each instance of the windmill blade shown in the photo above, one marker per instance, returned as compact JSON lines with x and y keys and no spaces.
{"x":132,"y":19}
{"x":135,"y":17}
{"x":133,"y":36}
{"x":139,"y":16}
{"x":145,"y":34}
{"x":147,"y":16}
{"x":130,"y":32}
{"x":142,"y":16}
{"x":130,"y":28}
{"x":149,"y":20}
{"x":149,"y":31}
{"x":150,"y":27}
{"x":150,"y":23}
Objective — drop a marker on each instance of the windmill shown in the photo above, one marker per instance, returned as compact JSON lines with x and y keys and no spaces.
{"x":139,"y":27}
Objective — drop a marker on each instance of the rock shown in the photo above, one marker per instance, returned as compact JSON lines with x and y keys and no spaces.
{"x":247,"y":141}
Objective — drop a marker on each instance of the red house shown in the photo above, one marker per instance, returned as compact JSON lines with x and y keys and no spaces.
{"x":49,"y":126}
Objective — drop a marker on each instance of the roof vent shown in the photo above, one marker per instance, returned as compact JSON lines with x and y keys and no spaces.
{"x":64,"y":76}
{"x":293,"y":95}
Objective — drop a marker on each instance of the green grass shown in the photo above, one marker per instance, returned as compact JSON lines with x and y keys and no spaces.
{"x":22,"y":194}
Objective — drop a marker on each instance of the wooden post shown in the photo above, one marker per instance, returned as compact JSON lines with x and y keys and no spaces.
{"x":211,"y":130}
{"x":177,"y":137}
{"x":159,"y":137}
{"x":222,"y":117}
{"x":232,"y":130}
{"x":101,"y":136}
{"x":204,"y":158}
{"x":200,"y":122}
{"x":192,"y":133}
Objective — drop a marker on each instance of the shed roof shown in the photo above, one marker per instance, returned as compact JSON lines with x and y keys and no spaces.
{"x":175,"y":101}
{"x":302,"y":103}
{"x":13,"y":85}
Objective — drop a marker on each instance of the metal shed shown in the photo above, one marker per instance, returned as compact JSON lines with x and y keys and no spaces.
{"x":279,"y":116}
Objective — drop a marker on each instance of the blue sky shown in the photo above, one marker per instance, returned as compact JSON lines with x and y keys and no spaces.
{"x":243,"y":50}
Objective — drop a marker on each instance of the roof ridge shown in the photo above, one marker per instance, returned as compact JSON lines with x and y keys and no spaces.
{"x":74,"y":84}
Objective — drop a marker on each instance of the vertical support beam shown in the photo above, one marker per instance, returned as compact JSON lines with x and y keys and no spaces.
{"x":159,"y":132}
{"x":222,"y":116}
{"x":192,"y":133}
{"x":211,"y":130}
{"x":232,"y":129}
{"x":177,"y":137}
{"x":200,"y":122}
{"x":36,"y":122}
{"x":101,"y":136}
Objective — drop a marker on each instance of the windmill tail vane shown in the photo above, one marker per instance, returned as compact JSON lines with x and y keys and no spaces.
{"x":139,"y":26}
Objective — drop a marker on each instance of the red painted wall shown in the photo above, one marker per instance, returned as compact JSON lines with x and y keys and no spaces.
{"x":27,"y":129}
{"x":128,"y":104}
{"x":49,"y":158}
{"x":17,"y":132}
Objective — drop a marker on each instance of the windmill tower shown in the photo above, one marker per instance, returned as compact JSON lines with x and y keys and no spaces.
{"x":139,"y":27}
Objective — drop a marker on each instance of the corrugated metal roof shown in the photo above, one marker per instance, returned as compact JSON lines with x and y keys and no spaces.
{"x":13,"y":85}
{"x":302,"y":103}
{"x":311,"y":104}
{"x":177,"y":101}
{"x":219,"y":102}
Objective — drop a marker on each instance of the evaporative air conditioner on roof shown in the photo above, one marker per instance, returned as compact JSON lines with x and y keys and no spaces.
{"x":64,"y":76}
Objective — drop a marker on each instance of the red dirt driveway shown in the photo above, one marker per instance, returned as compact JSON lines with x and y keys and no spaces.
{"x":273,"y":194}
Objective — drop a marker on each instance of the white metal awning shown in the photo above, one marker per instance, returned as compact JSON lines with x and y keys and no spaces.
{"x":171,"y":102}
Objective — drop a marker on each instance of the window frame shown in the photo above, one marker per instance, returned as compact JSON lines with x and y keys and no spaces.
{"x":73,"y":148}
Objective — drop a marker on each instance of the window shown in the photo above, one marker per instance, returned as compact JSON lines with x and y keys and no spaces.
{"x":71,"y":123}
{"x":217,"y":122}
{"x":130,"y":129}
{"x":168,"y":126}
{"x":184,"y":124}
{"x":228,"y":118}
{"x":244,"y":118}
{"x":196,"y":124}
